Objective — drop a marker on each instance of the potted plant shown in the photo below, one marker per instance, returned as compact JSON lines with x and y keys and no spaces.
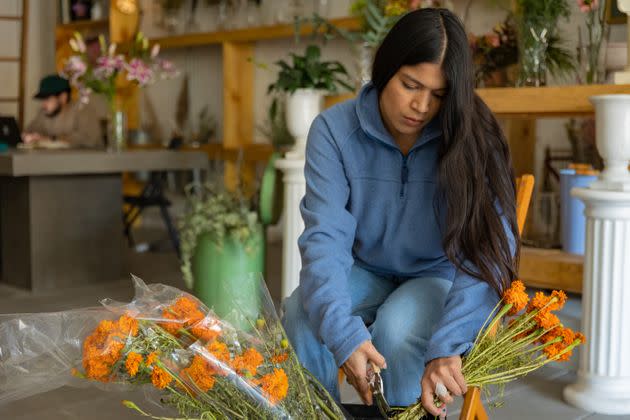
{"x":540,"y":44}
{"x":222,"y":244}
{"x":494,"y":53}
{"x":377,"y":18}
{"x":305,"y":81}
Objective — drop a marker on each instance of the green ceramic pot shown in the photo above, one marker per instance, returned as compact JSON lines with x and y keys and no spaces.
{"x":228,"y":276}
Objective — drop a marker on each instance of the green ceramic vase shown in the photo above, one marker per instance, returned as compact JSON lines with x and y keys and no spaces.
{"x":227,"y":276}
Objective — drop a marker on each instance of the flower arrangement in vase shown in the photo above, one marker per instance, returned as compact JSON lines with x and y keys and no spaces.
{"x":589,"y":53}
{"x":494,"y":53}
{"x":111,"y":72}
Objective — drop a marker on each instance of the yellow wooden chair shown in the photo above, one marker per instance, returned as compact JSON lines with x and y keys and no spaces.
{"x":473,"y":409}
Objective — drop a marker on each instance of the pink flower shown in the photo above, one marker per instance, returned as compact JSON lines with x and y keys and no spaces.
{"x":414,"y":4}
{"x":167,"y":69}
{"x":107,"y":65}
{"x":494,"y":40}
{"x":139,"y":71}
{"x":155,"y":50}
{"x":75,"y":67}
{"x":587,"y":6}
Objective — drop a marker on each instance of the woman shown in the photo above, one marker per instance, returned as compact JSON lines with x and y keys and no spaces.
{"x":409,"y":221}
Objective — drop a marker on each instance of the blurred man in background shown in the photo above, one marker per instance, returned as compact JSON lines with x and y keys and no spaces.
{"x":60,"y":121}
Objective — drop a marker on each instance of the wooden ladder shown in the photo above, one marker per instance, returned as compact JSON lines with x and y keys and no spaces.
{"x":20,"y":61}
{"x":473,"y":409}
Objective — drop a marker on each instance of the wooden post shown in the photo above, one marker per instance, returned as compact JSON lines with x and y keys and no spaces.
{"x":124,"y":21}
{"x":238,"y":111}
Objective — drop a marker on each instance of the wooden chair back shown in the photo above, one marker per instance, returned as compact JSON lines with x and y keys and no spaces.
{"x":473,"y":409}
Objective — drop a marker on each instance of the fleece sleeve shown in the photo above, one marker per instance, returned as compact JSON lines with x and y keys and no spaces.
{"x":468,"y":304}
{"x":326,"y":246}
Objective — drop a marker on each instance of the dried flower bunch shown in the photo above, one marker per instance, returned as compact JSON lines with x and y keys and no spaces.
{"x":202,"y":366}
{"x":520,"y":336}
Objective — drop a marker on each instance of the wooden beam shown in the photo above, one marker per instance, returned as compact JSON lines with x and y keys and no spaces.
{"x":238,"y":110}
{"x":248,"y":35}
{"x":551,"y":269}
{"x":549,"y":101}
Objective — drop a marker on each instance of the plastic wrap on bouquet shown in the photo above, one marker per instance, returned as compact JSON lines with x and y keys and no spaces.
{"x":241,"y":366}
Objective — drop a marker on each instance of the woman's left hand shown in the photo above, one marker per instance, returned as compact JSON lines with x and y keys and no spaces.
{"x":448,"y":372}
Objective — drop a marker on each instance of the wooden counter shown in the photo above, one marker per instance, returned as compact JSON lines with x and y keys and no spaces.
{"x":61,"y":213}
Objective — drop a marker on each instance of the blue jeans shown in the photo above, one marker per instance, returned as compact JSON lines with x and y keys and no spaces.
{"x":401,"y":315}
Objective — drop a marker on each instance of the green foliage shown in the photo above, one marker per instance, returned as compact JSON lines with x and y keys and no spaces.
{"x":560,"y":62}
{"x":374,"y":24}
{"x":217,"y":212}
{"x":309,"y":71}
{"x":538,"y":30}
{"x":543,"y":10}
{"x":275,"y":128}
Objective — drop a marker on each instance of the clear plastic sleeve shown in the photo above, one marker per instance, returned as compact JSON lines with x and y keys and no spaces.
{"x":202,"y":366}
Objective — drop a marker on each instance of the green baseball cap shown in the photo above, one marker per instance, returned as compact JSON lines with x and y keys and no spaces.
{"x":52,"y":85}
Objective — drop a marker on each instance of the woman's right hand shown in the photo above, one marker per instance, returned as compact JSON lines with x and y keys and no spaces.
{"x":356,"y":366}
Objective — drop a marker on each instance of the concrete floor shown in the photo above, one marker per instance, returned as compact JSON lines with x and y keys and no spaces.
{"x":538,"y":396}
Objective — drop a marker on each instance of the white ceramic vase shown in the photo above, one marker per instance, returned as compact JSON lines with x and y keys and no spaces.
{"x":612,"y":122}
{"x":302,"y":107}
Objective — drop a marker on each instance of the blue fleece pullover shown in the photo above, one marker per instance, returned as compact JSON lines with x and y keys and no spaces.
{"x":368,"y":204}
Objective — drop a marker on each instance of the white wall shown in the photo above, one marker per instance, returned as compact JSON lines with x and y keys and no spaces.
{"x":40,"y":51}
{"x":203,"y":64}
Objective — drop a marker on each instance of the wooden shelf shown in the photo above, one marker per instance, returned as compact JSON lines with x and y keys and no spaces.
{"x":82,"y":25}
{"x":247,"y":35}
{"x":253,"y":152}
{"x":551,"y":269}
{"x":550,"y":101}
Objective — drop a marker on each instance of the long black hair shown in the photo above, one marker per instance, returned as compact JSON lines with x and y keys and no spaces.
{"x":476,"y":185}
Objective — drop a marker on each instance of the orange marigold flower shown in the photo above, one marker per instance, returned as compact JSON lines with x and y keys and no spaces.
{"x":249,"y":361}
{"x":539,"y":301}
{"x":561,"y":299}
{"x":275,"y":386}
{"x":151,"y":358}
{"x":280,"y":358}
{"x":102,"y":349}
{"x":568,"y":338}
{"x":546,"y":320}
{"x":581,"y":337}
{"x":207,"y":329}
{"x":160,"y":378}
{"x":133,"y":363}
{"x":184,"y":313}
{"x":551,"y":303}
{"x":219,"y":350}
{"x":201,"y":372}
{"x":516,"y":296}
{"x":128,"y":325}
{"x":552,"y":350}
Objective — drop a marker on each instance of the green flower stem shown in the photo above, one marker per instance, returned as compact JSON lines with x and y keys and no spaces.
{"x":482,"y":329}
{"x":134,"y":406}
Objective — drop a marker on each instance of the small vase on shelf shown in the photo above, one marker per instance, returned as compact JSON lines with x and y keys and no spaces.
{"x":116,"y":129}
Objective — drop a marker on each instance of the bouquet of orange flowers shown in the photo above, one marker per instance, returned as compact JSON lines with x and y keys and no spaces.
{"x":519,"y":336}
{"x":200,"y":366}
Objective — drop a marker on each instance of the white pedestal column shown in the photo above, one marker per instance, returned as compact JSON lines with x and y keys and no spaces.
{"x":603,"y":384}
{"x":294,"y":188}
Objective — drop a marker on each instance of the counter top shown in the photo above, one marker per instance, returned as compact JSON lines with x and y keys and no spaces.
{"x":78,"y":162}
